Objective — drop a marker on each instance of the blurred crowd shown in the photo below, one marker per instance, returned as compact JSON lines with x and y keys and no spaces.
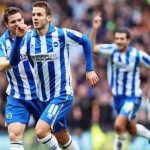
{"x":92,"y":105}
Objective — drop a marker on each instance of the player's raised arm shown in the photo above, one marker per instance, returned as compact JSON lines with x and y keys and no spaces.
{"x":15,"y":53}
{"x":105,"y":50}
{"x":96,"y":24}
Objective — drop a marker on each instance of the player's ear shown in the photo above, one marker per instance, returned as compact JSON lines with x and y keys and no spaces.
{"x":129,"y":40}
{"x":49,"y":18}
{"x":6,"y":24}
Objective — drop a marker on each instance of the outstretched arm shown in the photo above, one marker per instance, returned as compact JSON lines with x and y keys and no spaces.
{"x":91,"y":76}
{"x":96,"y":24}
{"x":15,"y":53}
{"x":75,"y":38}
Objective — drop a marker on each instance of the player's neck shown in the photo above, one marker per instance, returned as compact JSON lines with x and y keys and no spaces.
{"x":43,"y":31}
{"x":123,"y":50}
{"x":12,"y":35}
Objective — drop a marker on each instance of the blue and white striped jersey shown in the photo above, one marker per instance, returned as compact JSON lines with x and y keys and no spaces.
{"x":50,"y":56}
{"x":21,"y":78}
{"x":124,"y":69}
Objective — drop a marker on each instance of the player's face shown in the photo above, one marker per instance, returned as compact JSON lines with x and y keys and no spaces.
{"x":13,"y":21}
{"x":121,"y":41}
{"x":39,"y":18}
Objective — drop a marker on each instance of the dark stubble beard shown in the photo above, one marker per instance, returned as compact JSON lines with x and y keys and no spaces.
{"x":124,"y":49}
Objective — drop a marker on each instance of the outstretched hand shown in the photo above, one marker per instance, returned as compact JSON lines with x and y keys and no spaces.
{"x":92,"y":78}
{"x":97,"y":21}
{"x":22,"y":29}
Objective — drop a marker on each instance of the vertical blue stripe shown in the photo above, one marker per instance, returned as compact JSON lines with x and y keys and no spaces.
{"x":37,"y":45}
{"x":28,"y":43}
{"x":62,"y":61}
{"x":52,"y":78}
{"x":41,"y":78}
{"x":117,"y":74}
{"x":49,"y":43}
{"x":112,"y":72}
{"x":71,"y":36}
{"x":134,"y":73}
{"x":19,"y":81}
{"x":112,"y":77}
{"x":146,"y":60}
{"x":40,"y":67}
{"x":126,"y":73}
{"x":30,"y":79}
{"x":69,"y":60}
{"x":51,"y":68}
{"x":12,"y":91}
{"x":2,"y":43}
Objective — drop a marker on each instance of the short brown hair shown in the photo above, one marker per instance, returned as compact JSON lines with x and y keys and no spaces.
{"x":11,"y":11}
{"x":124,"y":30}
{"x":44,"y":5}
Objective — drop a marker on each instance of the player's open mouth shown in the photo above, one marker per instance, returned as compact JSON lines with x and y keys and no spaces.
{"x":36,"y":23}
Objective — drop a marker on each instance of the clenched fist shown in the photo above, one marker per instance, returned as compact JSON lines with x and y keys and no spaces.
{"x":97,"y":21}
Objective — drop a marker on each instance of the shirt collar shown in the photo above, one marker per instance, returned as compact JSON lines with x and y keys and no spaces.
{"x":6,"y":35}
{"x":50,"y":30}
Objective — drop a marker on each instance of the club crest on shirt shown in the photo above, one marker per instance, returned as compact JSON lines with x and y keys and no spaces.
{"x":55,"y":44}
{"x":9,"y":116}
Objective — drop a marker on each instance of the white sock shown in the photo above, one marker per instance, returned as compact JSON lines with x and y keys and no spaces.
{"x":16,"y":146}
{"x":70,"y":145}
{"x":50,"y":142}
{"x":119,"y":142}
{"x":142,"y":131}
